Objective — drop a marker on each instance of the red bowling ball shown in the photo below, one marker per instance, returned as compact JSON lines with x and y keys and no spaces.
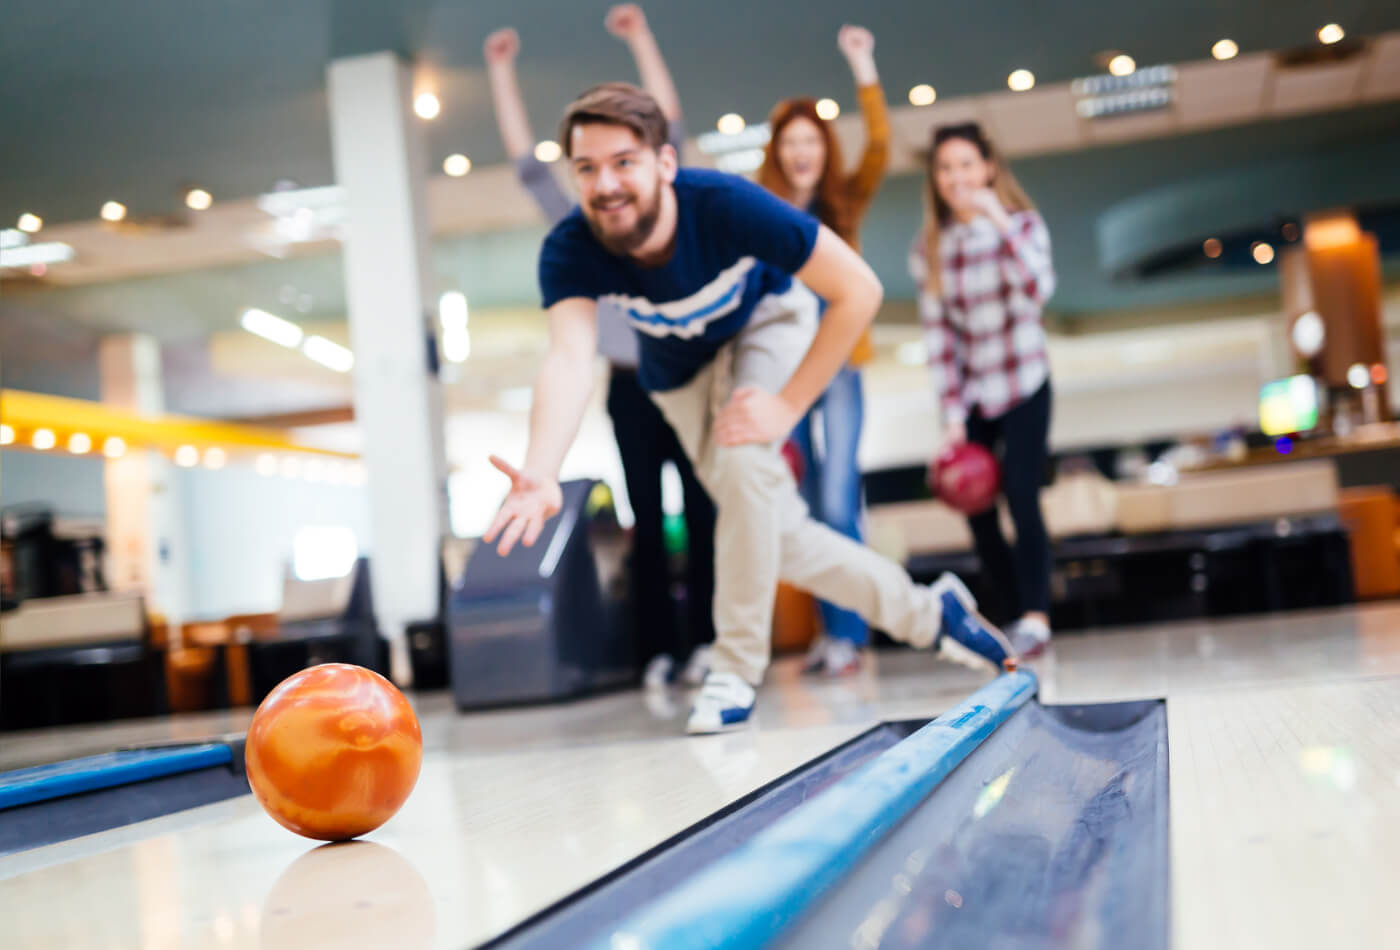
{"x":966,"y":477}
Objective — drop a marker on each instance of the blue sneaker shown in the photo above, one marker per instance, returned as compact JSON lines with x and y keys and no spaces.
{"x":967,"y":637}
{"x":725,"y":702}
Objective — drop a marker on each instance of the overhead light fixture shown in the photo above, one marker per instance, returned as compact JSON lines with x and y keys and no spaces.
{"x":329,"y":354}
{"x":922,"y":95}
{"x":215,"y":457}
{"x":266,"y":464}
{"x":1212,"y":248}
{"x":198,"y":199}
{"x":731,"y":123}
{"x":1122,"y":65}
{"x":828,"y":109}
{"x":457,"y":165}
{"x":271,"y":327}
{"x":548,"y":151}
{"x":290,"y":466}
{"x":7,"y":434}
{"x":187,"y":456}
{"x":1022,"y":80}
{"x":30,"y":223}
{"x":1225,"y":49}
{"x":1263,"y":252}
{"x":36,"y":255}
{"x":113,"y":211}
{"x":1358,"y":376}
{"x":80,"y":443}
{"x":427,"y":106}
{"x":114,"y":446}
{"x":1331,"y":33}
{"x":1108,"y":96}
{"x":43,"y":439}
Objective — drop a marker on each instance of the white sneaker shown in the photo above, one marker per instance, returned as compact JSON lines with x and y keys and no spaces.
{"x":658,"y":672}
{"x":698,"y":666}
{"x":725,"y":702}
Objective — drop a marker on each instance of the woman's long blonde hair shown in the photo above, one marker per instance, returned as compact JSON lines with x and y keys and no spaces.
{"x":938,"y":213}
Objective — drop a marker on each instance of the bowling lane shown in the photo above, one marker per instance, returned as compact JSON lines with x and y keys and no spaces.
{"x":514,"y":810}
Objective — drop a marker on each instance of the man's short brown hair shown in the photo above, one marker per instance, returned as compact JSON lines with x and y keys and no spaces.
{"x":615,"y":103}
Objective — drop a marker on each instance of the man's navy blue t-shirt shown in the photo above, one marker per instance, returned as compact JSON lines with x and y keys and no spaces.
{"x":735,"y":244}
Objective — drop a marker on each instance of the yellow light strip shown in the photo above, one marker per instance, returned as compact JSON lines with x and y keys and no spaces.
{"x":25,"y":411}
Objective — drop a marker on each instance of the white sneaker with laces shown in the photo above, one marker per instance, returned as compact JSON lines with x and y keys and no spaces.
{"x":725,"y":702}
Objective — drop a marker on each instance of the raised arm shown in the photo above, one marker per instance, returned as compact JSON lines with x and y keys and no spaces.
{"x":627,"y":22}
{"x":561,"y":394}
{"x":501,"y":49}
{"x":857,"y":44}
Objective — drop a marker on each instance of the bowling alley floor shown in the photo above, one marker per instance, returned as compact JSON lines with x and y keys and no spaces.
{"x":1284,"y":737}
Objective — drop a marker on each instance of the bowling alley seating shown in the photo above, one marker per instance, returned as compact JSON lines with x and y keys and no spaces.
{"x":78,"y":658}
{"x":1211,"y":543}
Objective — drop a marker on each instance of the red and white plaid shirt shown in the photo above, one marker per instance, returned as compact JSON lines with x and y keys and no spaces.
{"x":986,"y":340}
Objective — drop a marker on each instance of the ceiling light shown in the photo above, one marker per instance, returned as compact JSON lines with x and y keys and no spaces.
{"x":1331,"y":33}
{"x":457,"y":165}
{"x":1122,"y":65}
{"x":36,"y":255}
{"x":187,"y":456}
{"x":266,"y":464}
{"x":30,"y":223}
{"x":1212,"y":248}
{"x":43,"y":439}
{"x":922,"y":95}
{"x":1021,"y":80}
{"x":7,"y":434}
{"x":1263,"y":252}
{"x":828,"y":109}
{"x":548,"y":151}
{"x":452,"y":309}
{"x":328,"y":354}
{"x":271,"y":327}
{"x":80,"y":443}
{"x":113,"y":211}
{"x":199,"y":199}
{"x":427,"y":106}
{"x":1225,"y":49}
{"x":731,"y":123}
{"x":1358,"y":376}
{"x":114,"y":447}
{"x":215,"y":457}
{"x":290,"y":467}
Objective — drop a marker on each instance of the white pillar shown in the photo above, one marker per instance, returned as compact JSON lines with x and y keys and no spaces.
{"x":145,"y":549}
{"x":379,"y":155}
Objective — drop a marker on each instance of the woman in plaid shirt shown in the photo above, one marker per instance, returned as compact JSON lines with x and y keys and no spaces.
{"x":983,"y":266}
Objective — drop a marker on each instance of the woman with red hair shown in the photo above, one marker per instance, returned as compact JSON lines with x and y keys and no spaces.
{"x":803,"y":166}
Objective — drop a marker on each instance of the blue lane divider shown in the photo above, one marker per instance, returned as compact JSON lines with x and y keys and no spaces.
{"x":43,"y":782}
{"x":746,"y":899}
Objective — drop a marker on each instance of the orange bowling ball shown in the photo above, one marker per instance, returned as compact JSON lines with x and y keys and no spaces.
{"x":333,"y":752}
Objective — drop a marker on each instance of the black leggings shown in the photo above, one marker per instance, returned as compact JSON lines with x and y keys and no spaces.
{"x":1021,"y":438}
{"x":645,"y":442}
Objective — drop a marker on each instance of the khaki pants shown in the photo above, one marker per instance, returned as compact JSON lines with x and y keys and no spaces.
{"x":764,"y":532}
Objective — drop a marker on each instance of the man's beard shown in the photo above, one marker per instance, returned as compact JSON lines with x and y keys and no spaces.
{"x":624,"y":244}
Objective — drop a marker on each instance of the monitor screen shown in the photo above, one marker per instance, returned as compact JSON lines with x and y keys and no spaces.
{"x":1288,"y":405}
